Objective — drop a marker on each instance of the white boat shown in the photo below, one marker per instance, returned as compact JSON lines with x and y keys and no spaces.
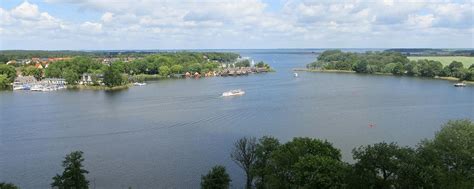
{"x":21,"y":87}
{"x":460,"y":85}
{"x":237,"y":92}
{"x":295,"y":74}
{"x":37,"y":88}
{"x":139,"y":84}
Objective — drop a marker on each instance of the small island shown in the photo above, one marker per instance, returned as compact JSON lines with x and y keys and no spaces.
{"x":392,"y":62}
{"x":23,"y":70}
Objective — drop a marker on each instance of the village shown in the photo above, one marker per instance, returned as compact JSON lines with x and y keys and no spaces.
{"x":241,"y":66}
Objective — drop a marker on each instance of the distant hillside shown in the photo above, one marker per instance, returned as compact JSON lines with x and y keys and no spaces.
{"x":434,"y":52}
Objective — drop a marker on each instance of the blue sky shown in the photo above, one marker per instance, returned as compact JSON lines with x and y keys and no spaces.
{"x":208,"y":24}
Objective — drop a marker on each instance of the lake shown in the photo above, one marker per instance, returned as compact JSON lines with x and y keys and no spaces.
{"x":170,"y":132}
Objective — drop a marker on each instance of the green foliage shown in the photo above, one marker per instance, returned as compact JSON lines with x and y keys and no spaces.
{"x":380,"y":165}
{"x":262,"y":64}
{"x":165,"y":70}
{"x":448,"y":157}
{"x":289,"y":155}
{"x":113,"y":77}
{"x":70,"y":76}
{"x":9,"y":71}
{"x":388,"y":62}
{"x":176,"y":69}
{"x":262,"y":170}
{"x":243,"y":63}
{"x":217,"y":178}
{"x":195,"y":68}
{"x":73,"y":175}
{"x":4,"y":81}
{"x":32,"y":71}
{"x":244,"y":155}
{"x":4,"y":185}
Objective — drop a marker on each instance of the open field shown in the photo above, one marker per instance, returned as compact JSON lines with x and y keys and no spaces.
{"x":446,"y":60}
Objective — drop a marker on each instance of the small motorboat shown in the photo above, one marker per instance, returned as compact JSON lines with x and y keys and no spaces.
{"x":460,"y":85}
{"x":237,"y":92}
{"x":21,"y":87}
{"x":295,"y":74}
{"x":139,"y":84}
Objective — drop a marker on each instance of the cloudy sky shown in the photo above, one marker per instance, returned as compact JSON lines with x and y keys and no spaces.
{"x":194,"y":24}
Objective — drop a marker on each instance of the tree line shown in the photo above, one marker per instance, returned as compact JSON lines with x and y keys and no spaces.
{"x":443,"y":162}
{"x":446,"y":161}
{"x":389,"y":62}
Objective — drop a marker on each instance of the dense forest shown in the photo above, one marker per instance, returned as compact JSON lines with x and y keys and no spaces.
{"x":442,"y":162}
{"x":389,"y":63}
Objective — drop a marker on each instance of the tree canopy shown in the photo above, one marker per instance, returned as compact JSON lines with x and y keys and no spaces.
{"x":73,"y":175}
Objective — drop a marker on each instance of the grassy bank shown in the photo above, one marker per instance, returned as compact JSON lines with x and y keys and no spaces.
{"x":446,"y":60}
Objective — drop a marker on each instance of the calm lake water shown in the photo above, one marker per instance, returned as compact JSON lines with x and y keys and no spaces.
{"x":168,"y":133}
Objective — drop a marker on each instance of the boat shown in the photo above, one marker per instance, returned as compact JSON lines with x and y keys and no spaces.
{"x":295,"y":74}
{"x":460,"y":85}
{"x":237,"y":92}
{"x":139,"y":84}
{"x":37,"y":88}
{"x":21,"y":86}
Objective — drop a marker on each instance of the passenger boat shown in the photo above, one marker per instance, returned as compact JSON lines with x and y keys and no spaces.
{"x":139,"y":84}
{"x":460,"y":85}
{"x":237,"y":92}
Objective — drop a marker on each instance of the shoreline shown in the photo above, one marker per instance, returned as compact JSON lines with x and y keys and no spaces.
{"x":105,"y":88}
{"x":377,"y":73}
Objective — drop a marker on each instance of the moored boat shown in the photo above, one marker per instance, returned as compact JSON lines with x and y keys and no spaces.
{"x":139,"y":84}
{"x":37,"y":88}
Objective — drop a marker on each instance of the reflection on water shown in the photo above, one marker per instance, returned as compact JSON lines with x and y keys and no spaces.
{"x":168,"y":133}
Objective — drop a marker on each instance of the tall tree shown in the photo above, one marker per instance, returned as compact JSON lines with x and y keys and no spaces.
{"x":112,"y":76}
{"x":263,"y":169}
{"x":216,"y":178}
{"x":381,"y":165}
{"x":449,"y":156}
{"x":244,"y":154}
{"x":73,"y":176}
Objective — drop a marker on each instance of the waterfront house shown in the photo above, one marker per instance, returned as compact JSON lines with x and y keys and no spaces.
{"x":39,"y":66}
{"x":88,"y":78}
{"x":25,"y":80}
{"x":54,"y":81}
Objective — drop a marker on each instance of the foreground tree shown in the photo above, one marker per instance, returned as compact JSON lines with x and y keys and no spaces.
{"x":262,"y":170}
{"x":217,"y":178}
{"x":4,"y":185}
{"x":448,"y":158}
{"x":244,"y":154}
{"x":305,"y":162}
{"x":73,"y":176}
{"x":382,"y":165}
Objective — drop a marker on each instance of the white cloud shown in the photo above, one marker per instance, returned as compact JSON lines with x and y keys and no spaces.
{"x":91,"y":27}
{"x":26,"y":11}
{"x":246,"y":23}
{"x":422,"y":21}
{"x":107,"y":17}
